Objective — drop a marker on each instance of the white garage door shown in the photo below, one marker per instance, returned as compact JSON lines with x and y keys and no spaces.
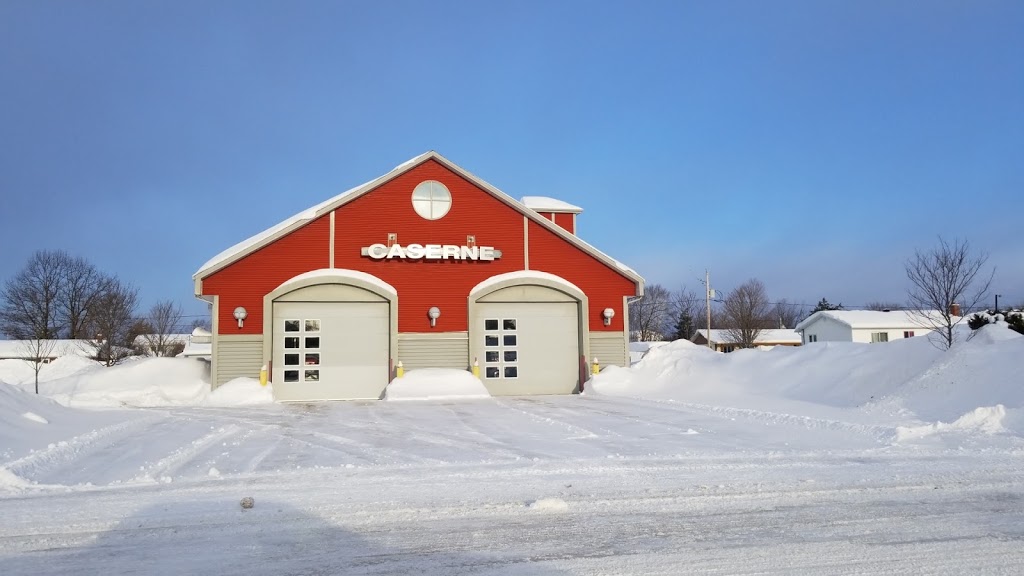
{"x":330,"y":350}
{"x":529,"y":347}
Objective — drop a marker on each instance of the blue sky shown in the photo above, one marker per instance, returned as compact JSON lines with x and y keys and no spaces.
{"x":813,"y":145}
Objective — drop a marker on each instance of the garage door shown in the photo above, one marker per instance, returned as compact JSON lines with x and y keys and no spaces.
{"x":330,"y":350}
{"x":528,"y":347}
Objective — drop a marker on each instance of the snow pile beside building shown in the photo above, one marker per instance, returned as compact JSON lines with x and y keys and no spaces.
{"x":241,"y":392}
{"x":436,"y":384}
{"x":151,"y":382}
{"x":908,"y":381}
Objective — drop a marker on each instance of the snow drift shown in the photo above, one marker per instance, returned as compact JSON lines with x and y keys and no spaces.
{"x":436,"y":384}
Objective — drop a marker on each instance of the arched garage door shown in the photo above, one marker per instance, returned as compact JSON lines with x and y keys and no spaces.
{"x":527,"y":340}
{"x":330,"y":342}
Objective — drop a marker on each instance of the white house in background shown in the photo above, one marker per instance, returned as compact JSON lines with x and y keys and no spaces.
{"x":24,"y":349}
{"x":199,"y":345}
{"x":861,"y":326}
{"x":144,"y":342}
{"x":768,"y":338}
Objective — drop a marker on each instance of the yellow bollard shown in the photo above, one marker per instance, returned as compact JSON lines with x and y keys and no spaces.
{"x":263,"y":375}
{"x":400,"y":370}
{"x":476,"y":368}
{"x":596,"y":367}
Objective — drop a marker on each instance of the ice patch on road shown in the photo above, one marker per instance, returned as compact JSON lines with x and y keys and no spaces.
{"x":984,"y":420}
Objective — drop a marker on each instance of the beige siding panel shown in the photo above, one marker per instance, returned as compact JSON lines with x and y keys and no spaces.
{"x":609,"y":348}
{"x":238,"y":356}
{"x":444,"y":350}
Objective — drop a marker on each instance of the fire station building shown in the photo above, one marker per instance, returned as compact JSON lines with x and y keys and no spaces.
{"x":427,"y":265}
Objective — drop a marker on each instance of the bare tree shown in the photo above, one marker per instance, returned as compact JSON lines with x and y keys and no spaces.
{"x":786,"y":314}
{"x":746,"y":311}
{"x":81,"y":284}
{"x":37,"y":351}
{"x":30,"y":307}
{"x":163,"y":321}
{"x":882,"y":306}
{"x":947,"y":275}
{"x":686,"y":312}
{"x":649,"y":316}
{"x":203,"y":323}
{"x":112,"y":319}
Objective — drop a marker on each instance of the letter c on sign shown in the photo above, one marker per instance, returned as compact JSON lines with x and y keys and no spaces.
{"x":377,"y":251}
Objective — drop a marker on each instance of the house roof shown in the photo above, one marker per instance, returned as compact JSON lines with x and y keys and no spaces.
{"x":50,"y":348}
{"x":546,"y":204}
{"x":765,"y":337}
{"x":286,"y":226}
{"x":872,"y":318}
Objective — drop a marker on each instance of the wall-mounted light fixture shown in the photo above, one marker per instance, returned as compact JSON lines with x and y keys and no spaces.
{"x":608,"y":314}
{"x":240,"y":315}
{"x":434,"y":313}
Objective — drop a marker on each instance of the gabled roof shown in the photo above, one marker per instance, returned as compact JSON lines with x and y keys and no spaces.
{"x":545,"y":204}
{"x":765,"y":337}
{"x":254,"y":243}
{"x":866,"y":319}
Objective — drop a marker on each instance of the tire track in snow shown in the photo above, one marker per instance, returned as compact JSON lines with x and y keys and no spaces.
{"x":163,"y":468}
{"x":60,"y":454}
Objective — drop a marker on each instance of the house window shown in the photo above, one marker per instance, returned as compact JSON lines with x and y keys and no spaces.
{"x":879,"y":337}
{"x":812,"y":338}
{"x":908,"y":333}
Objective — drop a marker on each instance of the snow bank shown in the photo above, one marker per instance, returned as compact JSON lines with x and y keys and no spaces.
{"x":241,"y":392}
{"x":152,"y":382}
{"x":22,"y":372}
{"x":907,"y":379}
{"x":436,"y":384}
{"x":986,"y":420}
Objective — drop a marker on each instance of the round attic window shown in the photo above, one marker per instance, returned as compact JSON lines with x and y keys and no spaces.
{"x":431,"y":199}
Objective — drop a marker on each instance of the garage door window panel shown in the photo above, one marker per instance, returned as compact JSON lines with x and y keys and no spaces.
{"x":291,"y":375}
{"x":313,"y":342}
{"x":312,"y":375}
{"x":291,"y":325}
{"x":291,"y":359}
{"x":291,"y":342}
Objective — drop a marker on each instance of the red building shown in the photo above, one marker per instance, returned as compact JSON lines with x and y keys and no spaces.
{"x":428,"y":265}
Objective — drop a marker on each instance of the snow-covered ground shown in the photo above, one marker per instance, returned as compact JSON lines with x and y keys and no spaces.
{"x":827,"y":459}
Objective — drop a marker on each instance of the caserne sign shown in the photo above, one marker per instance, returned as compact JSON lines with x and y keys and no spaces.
{"x":431,"y":252}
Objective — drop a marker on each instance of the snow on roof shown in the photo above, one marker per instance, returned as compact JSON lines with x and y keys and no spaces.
{"x":197,"y":350}
{"x":144,"y":339}
{"x":546,"y":204}
{"x":873,"y":318}
{"x":766,"y":336}
{"x":50,"y":348}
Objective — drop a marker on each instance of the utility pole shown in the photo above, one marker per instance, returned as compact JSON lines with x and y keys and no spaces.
{"x":707,"y":303}
{"x":997,"y":303}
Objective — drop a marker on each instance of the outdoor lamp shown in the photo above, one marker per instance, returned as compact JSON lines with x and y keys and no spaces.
{"x":434,"y":314}
{"x":240,"y":315}
{"x":608,"y":315}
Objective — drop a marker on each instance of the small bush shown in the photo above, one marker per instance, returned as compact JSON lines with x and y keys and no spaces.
{"x":1016,"y":322}
{"x":977,"y":321}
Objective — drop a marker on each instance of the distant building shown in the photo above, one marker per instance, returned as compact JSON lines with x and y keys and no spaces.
{"x":173,"y":343}
{"x":199,"y":345}
{"x":52,"y":349}
{"x":768,"y":338}
{"x":862,"y":326}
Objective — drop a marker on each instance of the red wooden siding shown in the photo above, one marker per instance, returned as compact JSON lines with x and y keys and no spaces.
{"x":247,"y":281}
{"x":604,"y":286}
{"x":425,"y":283}
{"x":565,"y":220}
